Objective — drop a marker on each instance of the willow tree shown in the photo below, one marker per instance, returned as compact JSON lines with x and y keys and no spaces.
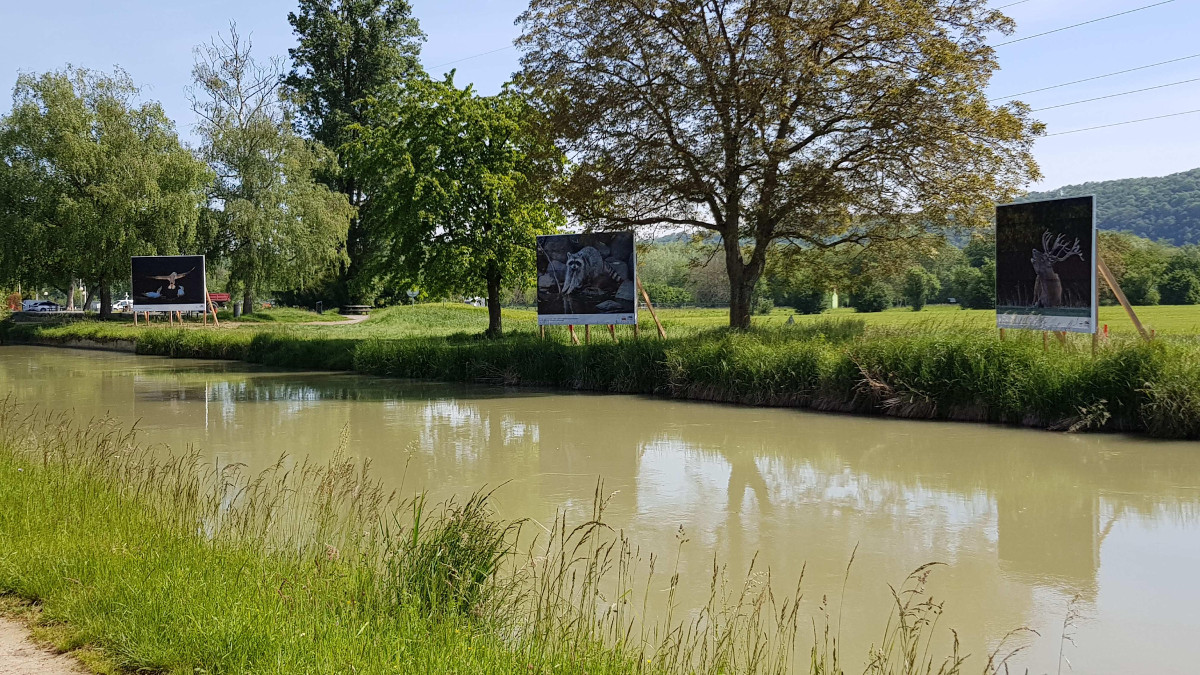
{"x":818,"y":123}
{"x":89,"y":176}
{"x":278,"y":226}
{"x":461,"y":185}
{"x":347,"y":51}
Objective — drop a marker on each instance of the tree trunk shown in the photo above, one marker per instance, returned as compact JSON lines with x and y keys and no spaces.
{"x":493,"y":302}
{"x":87,"y":298}
{"x":247,"y":303}
{"x":105,"y":299}
{"x":742,"y":278}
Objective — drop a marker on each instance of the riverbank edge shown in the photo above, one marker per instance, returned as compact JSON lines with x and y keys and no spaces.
{"x":1130,"y":387}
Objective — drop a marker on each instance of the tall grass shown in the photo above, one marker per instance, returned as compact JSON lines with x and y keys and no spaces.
{"x":941,"y":371}
{"x":169,"y":564}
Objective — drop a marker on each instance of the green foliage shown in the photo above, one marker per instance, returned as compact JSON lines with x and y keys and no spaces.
{"x":871,"y":296}
{"x":461,"y":187}
{"x":718,"y":118}
{"x":277,"y":226}
{"x":347,"y":52}
{"x":664,"y":295}
{"x":89,"y":177}
{"x":1180,"y":287}
{"x":1165,"y":208}
{"x":975,"y":288}
{"x":919,"y":286}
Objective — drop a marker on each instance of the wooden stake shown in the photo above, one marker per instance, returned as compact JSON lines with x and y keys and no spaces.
{"x":1002,"y":335}
{"x":1062,"y":337}
{"x":135,"y":318}
{"x":636,"y":332}
{"x":646,"y":296}
{"x":1116,"y":289}
{"x":542,"y":332}
{"x":213,"y":306}
{"x":587,"y":334}
{"x":612,"y":330}
{"x":574,"y":338}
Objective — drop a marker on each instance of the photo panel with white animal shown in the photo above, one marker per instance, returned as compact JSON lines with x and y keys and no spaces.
{"x":586,"y":279}
{"x":1046,"y":265}
{"x":168,"y":283}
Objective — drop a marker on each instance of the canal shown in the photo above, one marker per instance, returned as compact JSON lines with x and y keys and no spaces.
{"x":1026,"y":521}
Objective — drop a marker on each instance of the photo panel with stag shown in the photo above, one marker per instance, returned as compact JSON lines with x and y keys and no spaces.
{"x":1046,"y":265}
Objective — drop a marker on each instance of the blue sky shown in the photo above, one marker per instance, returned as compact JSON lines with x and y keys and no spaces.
{"x":153,"y":41}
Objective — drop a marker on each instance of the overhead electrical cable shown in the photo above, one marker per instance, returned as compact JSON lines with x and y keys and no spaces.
{"x":1089,"y":79}
{"x":1082,"y":23}
{"x":1119,"y":124}
{"x":473,"y":56}
{"x":1124,"y":93}
{"x":1018,"y":2}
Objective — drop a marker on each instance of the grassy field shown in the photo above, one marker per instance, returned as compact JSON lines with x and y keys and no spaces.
{"x":944,"y":363}
{"x":169,"y":565}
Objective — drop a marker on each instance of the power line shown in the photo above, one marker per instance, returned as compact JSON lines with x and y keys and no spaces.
{"x":468,"y":58}
{"x":1124,"y":93}
{"x":1089,"y":79}
{"x":1083,"y":23}
{"x":1018,"y":2}
{"x":1118,"y":124}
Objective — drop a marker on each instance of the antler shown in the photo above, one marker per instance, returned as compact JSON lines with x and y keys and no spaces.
{"x":1059,"y":251}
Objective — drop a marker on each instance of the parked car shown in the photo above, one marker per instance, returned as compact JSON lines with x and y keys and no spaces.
{"x":39,"y":306}
{"x":122,"y":306}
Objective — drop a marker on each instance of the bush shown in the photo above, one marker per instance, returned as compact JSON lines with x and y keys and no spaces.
{"x":665,"y":295}
{"x":919,"y":286}
{"x":872,"y":296}
{"x":1180,"y":287}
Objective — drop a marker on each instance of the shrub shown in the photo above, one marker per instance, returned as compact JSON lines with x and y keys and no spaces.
{"x":1180,"y":287}
{"x":919,"y":286}
{"x":871,"y":296}
{"x":665,"y":295}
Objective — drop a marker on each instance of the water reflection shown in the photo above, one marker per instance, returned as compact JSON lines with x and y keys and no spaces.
{"x":1026,"y":520}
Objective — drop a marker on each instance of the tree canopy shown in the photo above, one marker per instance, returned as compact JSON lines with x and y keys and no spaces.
{"x":348,"y":50}
{"x":279,"y":228}
{"x":89,"y":177}
{"x":816,"y":123}
{"x":1165,"y":208}
{"x":461,"y":189}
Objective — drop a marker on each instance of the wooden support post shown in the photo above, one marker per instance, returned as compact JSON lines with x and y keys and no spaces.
{"x":636,"y":332}
{"x":1062,"y":337}
{"x":646,"y":296}
{"x":170,"y":318}
{"x":612,"y":330}
{"x":587,"y":334}
{"x":1045,"y":341}
{"x":1002,"y":335}
{"x":1116,"y":289}
{"x":542,"y":332}
{"x":574,"y":338}
{"x":135,"y":318}
{"x":213,"y":306}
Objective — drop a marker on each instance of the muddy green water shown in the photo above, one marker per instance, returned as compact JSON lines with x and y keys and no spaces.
{"x":1025,"y":520}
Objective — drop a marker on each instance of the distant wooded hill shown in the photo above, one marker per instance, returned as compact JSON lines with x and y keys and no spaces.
{"x":1165,"y":208}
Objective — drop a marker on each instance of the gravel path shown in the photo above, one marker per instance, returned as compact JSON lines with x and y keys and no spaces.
{"x":20,"y":656}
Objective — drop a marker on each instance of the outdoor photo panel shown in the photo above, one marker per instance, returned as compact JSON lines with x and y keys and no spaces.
{"x":1046,"y":265}
{"x":168,"y":283}
{"x":586,"y":279}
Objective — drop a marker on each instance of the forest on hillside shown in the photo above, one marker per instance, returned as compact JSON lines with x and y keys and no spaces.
{"x":1163,"y":208}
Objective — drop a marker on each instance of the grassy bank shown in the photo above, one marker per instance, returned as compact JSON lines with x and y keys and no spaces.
{"x":168,"y":565}
{"x":940,"y":369}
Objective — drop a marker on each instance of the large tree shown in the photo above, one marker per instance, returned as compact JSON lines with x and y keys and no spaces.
{"x":89,"y":176}
{"x":818,"y":122}
{"x":348,"y":51}
{"x":462,"y":189}
{"x":278,"y":226}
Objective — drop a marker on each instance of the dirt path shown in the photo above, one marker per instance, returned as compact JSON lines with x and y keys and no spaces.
{"x":20,"y":656}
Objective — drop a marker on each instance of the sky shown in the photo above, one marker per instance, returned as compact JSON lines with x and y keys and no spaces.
{"x":153,"y":41}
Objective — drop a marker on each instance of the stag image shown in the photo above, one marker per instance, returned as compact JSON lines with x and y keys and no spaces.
{"x":1048,"y":290}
